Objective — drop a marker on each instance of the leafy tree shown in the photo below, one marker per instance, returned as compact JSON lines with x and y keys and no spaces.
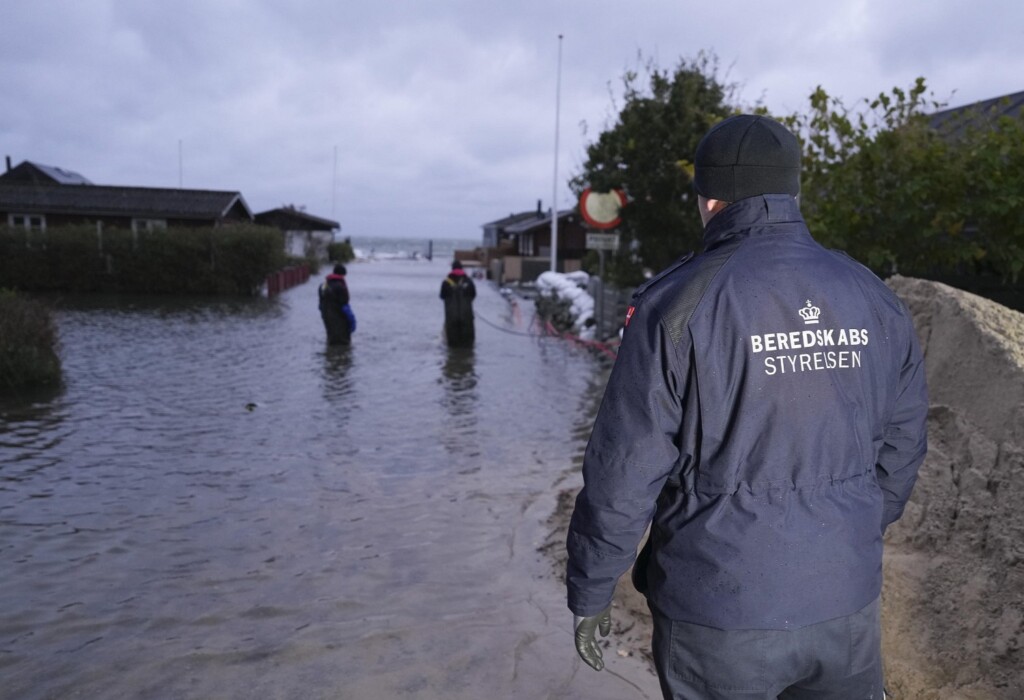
{"x":899,"y":194}
{"x":879,"y":181}
{"x":647,"y":153}
{"x":991,"y":168}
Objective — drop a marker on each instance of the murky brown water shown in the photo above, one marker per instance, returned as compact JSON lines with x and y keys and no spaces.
{"x":218,"y":506}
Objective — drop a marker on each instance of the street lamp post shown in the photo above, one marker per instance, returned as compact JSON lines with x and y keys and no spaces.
{"x":554,"y":195}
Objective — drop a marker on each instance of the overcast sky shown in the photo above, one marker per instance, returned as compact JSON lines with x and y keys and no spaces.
{"x":428,"y":118}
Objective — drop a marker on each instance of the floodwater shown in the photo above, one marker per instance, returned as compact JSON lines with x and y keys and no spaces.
{"x":217,"y":505}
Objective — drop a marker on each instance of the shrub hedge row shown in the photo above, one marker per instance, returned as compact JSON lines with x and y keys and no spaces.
{"x":211,"y":260}
{"x":28,"y":355}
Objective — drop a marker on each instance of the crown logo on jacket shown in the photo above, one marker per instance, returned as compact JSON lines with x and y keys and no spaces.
{"x":810,"y":313}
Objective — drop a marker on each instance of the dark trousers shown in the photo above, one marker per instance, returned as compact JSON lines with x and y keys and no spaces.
{"x":337,"y":328}
{"x":460,"y":333}
{"x":838,"y":659}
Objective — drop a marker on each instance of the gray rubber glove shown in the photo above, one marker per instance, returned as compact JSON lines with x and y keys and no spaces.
{"x":586,"y":640}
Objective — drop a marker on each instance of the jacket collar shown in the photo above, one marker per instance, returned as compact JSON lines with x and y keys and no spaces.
{"x":740,"y":219}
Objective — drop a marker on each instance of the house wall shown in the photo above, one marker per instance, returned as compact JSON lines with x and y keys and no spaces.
{"x":518,"y":268}
{"x":512,"y":269}
{"x":311,"y":244}
{"x":572,"y":241}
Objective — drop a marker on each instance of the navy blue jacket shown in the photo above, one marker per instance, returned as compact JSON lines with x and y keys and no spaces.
{"x":767,"y":410}
{"x":339,"y":321}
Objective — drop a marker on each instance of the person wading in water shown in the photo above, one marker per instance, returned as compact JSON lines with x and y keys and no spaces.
{"x":458,"y":292}
{"x":339,"y":321}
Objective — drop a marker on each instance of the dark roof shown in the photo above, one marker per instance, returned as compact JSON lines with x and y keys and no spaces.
{"x":976,"y":114}
{"x":102,"y":200}
{"x":514,"y":219}
{"x":38,"y":174}
{"x":291,"y":219}
{"x":537,"y":221}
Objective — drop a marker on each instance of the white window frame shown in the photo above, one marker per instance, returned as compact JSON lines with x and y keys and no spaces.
{"x":147,"y":225}
{"x":29,"y":222}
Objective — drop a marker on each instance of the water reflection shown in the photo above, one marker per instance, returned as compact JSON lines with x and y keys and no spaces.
{"x":337,"y":385}
{"x":458,"y":375}
{"x":30,"y":425}
{"x":460,"y":380}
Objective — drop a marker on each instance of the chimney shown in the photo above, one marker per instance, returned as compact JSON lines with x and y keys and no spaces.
{"x":540,"y":212}
{"x":8,"y":163}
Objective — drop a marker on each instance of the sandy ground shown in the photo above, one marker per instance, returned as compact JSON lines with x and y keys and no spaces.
{"x":953,"y":596}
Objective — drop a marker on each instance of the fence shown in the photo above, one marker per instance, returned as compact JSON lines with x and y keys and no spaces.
{"x":610,"y":305}
{"x":287,"y":278}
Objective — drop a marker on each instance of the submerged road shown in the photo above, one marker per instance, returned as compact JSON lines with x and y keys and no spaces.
{"x":217,"y":505}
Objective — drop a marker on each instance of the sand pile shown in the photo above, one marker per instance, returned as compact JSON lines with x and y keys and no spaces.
{"x":953,"y":597}
{"x":954,"y":568}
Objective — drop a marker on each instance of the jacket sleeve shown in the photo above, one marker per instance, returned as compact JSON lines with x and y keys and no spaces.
{"x":632,"y":450}
{"x":905,"y":440}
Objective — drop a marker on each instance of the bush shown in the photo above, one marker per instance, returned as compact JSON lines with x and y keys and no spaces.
{"x":311,"y":262}
{"x":28,"y":354}
{"x":341,"y":252}
{"x":231,"y":259}
{"x":900,"y":194}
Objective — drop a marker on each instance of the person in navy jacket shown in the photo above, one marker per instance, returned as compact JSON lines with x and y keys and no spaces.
{"x":766,"y":418}
{"x":335,"y":310}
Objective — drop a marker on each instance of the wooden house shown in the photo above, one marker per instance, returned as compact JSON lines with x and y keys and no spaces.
{"x":36,"y":196}
{"x":305,"y":235}
{"x":496,"y":234}
{"x":519,"y":245}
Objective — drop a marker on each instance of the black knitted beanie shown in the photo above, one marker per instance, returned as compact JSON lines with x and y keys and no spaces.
{"x":744,"y":156}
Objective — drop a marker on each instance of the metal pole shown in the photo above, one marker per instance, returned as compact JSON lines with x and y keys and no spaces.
{"x":554,"y":195}
{"x":600,"y":305}
{"x":334,"y":181}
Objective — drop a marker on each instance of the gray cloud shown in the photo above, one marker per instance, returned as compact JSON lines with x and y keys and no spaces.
{"x":442,"y":114}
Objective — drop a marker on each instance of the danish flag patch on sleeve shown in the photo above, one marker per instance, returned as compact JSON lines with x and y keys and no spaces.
{"x":629,"y":315}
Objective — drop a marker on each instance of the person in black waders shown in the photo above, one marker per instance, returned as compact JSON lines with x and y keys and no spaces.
{"x":458,"y":292}
{"x":339,"y":321}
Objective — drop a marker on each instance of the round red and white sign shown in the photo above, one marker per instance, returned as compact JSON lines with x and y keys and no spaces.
{"x":601,"y":209}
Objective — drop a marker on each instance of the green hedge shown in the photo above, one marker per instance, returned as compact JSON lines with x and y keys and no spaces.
{"x":903,"y":196}
{"x":28,"y":355}
{"x":212,"y":260}
{"x":341,"y":252}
